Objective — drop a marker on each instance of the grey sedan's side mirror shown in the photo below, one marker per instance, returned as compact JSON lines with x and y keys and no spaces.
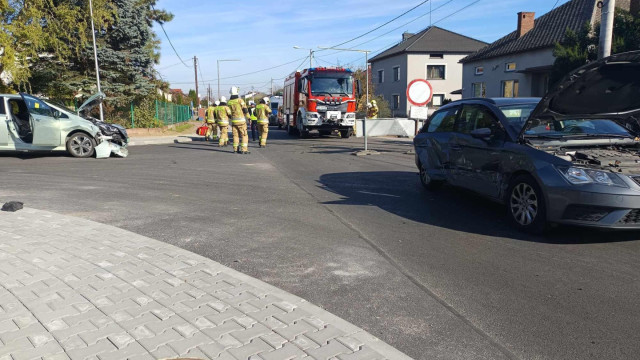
{"x":482,"y":133}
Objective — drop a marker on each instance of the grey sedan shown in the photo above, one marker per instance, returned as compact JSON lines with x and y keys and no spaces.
{"x":572,"y":157}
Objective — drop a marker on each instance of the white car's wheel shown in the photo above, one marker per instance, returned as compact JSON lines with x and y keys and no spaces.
{"x":81,"y":145}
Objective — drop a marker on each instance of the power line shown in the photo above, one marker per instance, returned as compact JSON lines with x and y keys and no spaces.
{"x":388,"y":32}
{"x":395,"y":43}
{"x":261,"y":70}
{"x":554,"y":5}
{"x":457,"y":11}
{"x":387,"y":23}
{"x":170,"y":43}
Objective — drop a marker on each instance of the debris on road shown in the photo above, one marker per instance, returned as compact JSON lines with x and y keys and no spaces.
{"x":12,"y":206}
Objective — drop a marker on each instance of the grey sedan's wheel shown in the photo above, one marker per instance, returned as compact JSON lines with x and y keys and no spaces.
{"x":526,"y":206}
{"x":427,"y":181}
{"x":81,"y":145}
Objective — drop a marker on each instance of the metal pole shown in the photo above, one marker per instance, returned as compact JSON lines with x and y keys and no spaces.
{"x":310,"y":58}
{"x":195,"y":68}
{"x":606,"y":28}
{"x":364,"y":123}
{"x":95,"y":56}
{"x":132,"y":116}
{"x":218,"y":61}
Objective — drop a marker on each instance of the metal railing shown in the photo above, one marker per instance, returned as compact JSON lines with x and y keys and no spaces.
{"x":170,"y":113}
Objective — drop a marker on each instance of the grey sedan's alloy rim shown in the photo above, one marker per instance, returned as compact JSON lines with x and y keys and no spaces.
{"x":424,"y":176}
{"x":524,"y":204}
{"x":81,"y":145}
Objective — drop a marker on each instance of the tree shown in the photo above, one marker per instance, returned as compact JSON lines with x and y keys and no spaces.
{"x":193,"y":97}
{"x":361,"y":101}
{"x":51,"y":29}
{"x":580,"y":48}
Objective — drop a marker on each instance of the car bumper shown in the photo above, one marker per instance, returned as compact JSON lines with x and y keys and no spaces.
{"x":594,"y":209}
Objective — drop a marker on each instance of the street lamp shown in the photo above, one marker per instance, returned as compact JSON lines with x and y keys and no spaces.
{"x":310,"y":54}
{"x":95,"y":56}
{"x":220,"y":60}
{"x":366,"y":70}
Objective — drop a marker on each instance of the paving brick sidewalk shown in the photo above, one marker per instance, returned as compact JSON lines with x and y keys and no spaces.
{"x":72,"y":288}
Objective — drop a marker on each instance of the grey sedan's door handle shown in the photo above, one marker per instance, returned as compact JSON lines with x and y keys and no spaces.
{"x":456,"y":147}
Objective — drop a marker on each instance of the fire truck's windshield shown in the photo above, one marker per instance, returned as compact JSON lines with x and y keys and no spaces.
{"x":332,"y":85}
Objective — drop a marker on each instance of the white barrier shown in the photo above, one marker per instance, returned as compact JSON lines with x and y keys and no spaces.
{"x":388,"y":127}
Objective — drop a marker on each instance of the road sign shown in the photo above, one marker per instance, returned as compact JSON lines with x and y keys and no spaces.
{"x":419,"y":92}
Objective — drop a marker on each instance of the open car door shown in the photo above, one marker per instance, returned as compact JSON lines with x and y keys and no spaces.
{"x":5,"y":118}
{"x":44,"y":126}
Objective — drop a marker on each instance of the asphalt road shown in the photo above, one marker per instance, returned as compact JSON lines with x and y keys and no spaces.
{"x":438,"y":275}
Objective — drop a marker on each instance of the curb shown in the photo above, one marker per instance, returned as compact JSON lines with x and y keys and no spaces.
{"x":161,"y":141}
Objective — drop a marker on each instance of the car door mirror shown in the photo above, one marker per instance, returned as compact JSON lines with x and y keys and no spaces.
{"x":482,"y":133}
{"x":56,"y":114}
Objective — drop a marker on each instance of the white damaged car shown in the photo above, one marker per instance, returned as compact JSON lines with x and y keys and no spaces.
{"x":28,"y":123}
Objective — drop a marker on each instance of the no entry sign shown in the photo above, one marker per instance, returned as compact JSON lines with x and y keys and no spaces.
{"x":419,"y":92}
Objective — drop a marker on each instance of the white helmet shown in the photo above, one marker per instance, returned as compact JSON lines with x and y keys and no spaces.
{"x":266,"y":100}
{"x":251,"y":102}
{"x":217,"y":102}
{"x":369,"y":105}
{"x":223,"y":99}
{"x":234,"y":90}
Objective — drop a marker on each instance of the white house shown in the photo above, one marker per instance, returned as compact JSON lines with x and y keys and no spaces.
{"x":519,"y":64}
{"x":433,"y":54}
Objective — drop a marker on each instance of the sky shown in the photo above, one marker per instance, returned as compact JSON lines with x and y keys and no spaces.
{"x":262,"y":34}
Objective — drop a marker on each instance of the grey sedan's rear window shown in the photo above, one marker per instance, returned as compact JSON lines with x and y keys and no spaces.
{"x":517,"y":115}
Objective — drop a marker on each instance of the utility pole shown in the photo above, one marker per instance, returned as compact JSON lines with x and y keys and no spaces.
{"x":310,"y":58}
{"x":271,"y":86}
{"x":209,"y":95}
{"x":195,"y":68}
{"x":606,"y":28}
{"x":95,"y":56}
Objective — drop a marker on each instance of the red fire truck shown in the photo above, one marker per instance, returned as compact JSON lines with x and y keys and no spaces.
{"x":322,"y":99}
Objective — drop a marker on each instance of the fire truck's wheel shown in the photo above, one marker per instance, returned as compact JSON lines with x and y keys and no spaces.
{"x":345,"y":133}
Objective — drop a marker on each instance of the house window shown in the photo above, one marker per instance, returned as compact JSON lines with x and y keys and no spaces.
{"x":396,"y":102}
{"x":510,"y":88}
{"x":437,"y":100}
{"x":380,"y":76}
{"x":479,"y":70}
{"x":479,"y":90}
{"x":436,"y":56}
{"x":511,"y":66}
{"x":435,"y":72}
{"x":396,"y":73}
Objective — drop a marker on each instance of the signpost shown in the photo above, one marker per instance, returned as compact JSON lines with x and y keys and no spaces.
{"x":419,"y":94}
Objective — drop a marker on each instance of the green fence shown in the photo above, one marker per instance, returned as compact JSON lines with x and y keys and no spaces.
{"x":165,"y":112}
{"x":170,"y":113}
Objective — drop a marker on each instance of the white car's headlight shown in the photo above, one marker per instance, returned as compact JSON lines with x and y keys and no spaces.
{"x":350,"y":116}
{"x":579,"y":176}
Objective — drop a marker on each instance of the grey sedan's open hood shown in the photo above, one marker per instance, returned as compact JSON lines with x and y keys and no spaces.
{"x":604,"y":89}
{"x":92,"y":102}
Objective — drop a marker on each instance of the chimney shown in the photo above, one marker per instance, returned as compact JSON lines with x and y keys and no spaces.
{"x":406,"y":35}
{"x":525,"y":22}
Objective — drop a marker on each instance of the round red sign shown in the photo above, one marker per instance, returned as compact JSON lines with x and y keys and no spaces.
{"x":419,"y":92}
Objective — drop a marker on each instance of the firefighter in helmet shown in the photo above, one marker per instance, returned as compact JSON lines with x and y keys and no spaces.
{"x":222,"y":114}
{"x":262,"y":114}
{"x":372,"y":110}
{"x":212,"y":131}
{"x":239,"y":115}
